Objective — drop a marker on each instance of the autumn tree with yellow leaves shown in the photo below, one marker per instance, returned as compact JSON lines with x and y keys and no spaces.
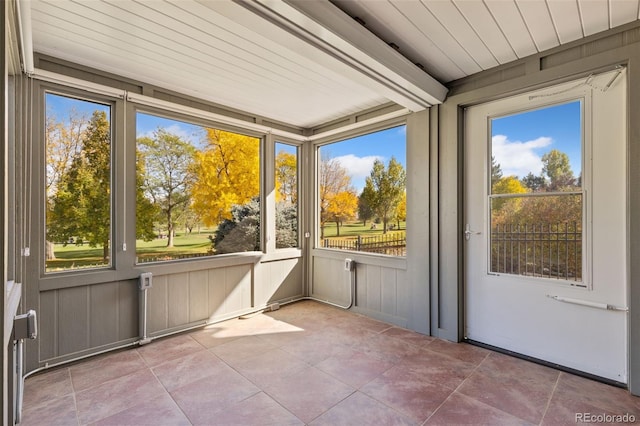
{"x":342,"y":206}
{"x":286,"y":177}
{"x":228,"y":171}
{"x":334,"y":179}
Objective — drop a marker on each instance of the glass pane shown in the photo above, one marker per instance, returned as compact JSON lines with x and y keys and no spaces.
{"x":78,"y":184}
{"x":362,"y":193}
{"x":537,"y":154}
{"x":537,"y":236}
{"x":537,"y":151}
{"x":198,"y":190}
{"x":286,"y":170}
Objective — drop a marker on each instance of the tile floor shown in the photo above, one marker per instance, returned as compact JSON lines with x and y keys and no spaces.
{"x":310,"y":363}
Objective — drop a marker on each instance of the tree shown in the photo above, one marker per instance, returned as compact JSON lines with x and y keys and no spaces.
{"x":146,"y":211}
{"x":333,"y":179}
{"x":286,"y":225}
{"x":496,"y":171}
{"x":63,"y":141}
{"x":343,"y":206}
{"x":365,"y":211}
{"x":81,"y":206}
{"x":401,"y":210}
{"x":389,"y":185}
{"x":286,"y":177}
{"x":168,"y":179}
{"x":534,"y":183}
{"x":228,"y":174}
{"x":556,"y":166}
{"x":242,"y":231}
{"x":507,"y":185}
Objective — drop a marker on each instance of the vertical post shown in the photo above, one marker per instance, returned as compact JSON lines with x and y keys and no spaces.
{"x":4,"y":119}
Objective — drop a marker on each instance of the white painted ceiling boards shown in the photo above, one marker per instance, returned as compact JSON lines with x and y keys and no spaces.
{"x":308,"y":62}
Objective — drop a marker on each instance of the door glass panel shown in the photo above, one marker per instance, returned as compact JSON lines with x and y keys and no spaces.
{"x":536,"y":198}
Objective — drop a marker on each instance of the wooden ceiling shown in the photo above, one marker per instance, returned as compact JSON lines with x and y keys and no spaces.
{"x":308,"y":62}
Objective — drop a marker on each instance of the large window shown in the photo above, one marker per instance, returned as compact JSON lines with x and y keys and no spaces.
{"x":198,"y":190}
{"x":536,"y":195}
{"x":78,"y":183}
{"x":362,"y":193}
{"x":286,"y":178}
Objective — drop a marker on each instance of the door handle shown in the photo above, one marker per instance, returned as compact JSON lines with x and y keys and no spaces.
{"x":468,"y":232}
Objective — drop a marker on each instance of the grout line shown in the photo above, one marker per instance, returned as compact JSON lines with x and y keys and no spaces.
{"x":73,"y":394}
{"x":457,"y":387}
{"x":553,"y":391}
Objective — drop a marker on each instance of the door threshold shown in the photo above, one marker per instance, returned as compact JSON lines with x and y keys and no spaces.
{"x":548,"y":364}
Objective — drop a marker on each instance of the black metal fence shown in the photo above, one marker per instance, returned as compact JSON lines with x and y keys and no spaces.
{"x":538,"y":250}
{"x":391,"y":244}
{"x":170,"y":256}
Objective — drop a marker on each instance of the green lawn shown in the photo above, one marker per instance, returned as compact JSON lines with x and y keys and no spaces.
{"x":72,"y":256}
{"x":185,"y":245}
{"x":353,"y":229}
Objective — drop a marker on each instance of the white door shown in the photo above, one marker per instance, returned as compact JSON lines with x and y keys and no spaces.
{"x":546,"y":224}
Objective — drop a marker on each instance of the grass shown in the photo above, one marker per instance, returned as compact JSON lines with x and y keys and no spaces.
{"x":72,"y":256}
{"x":353,"y":229}
{"x":185,"y":245}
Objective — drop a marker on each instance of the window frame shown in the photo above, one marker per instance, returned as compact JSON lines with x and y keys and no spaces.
{"x":166,"y":113}
{"x":41,"y":91}
{"x":299,"y":206}
{"x":585,"y":100}
{"x":336,"y":138}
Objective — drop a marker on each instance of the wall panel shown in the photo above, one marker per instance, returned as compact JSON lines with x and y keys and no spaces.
{"x":198,"y":295}
{"x":278,"y":280}
{"x":48,"y":324}
{"x":103,"y":314}
{"x":128,"y":294}
{"x":237,"y":284}
{"x":373,"y":283}
{"x":382,"y":290}
{"x":158,"y":301}
{"x":216,"y":292}
{"x":389,"y":291}
{"x":178,"y":298}
{"x":73,"y":320}
{"x":330,"y":281}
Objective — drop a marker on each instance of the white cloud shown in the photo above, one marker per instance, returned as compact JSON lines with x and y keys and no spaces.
{"x":358,"y":167}
{"x":517,"y":157}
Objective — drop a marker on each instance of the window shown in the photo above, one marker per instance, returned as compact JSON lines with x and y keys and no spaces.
{"x":362,"y":193}
{"x":198,"y":190}
{"x":78,"y":183}
{"x":286,"y":178}
{"x":536,"y":195}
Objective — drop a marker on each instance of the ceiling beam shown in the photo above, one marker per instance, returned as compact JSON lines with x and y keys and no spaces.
{"x":329,"y":30}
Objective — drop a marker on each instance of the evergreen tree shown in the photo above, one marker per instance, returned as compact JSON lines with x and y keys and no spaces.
{"x":81,"y":206}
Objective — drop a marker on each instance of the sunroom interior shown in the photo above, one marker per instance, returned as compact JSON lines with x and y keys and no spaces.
{"x":307,"y":75}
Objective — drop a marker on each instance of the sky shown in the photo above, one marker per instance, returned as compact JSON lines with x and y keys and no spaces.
{"x":519,"y":141}
{"x":358,"y":154}
{"x":61,"y":105}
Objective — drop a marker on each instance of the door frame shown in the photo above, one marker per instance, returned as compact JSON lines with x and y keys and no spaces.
{"x":594,"y":106}
{"x":565,"y":63}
